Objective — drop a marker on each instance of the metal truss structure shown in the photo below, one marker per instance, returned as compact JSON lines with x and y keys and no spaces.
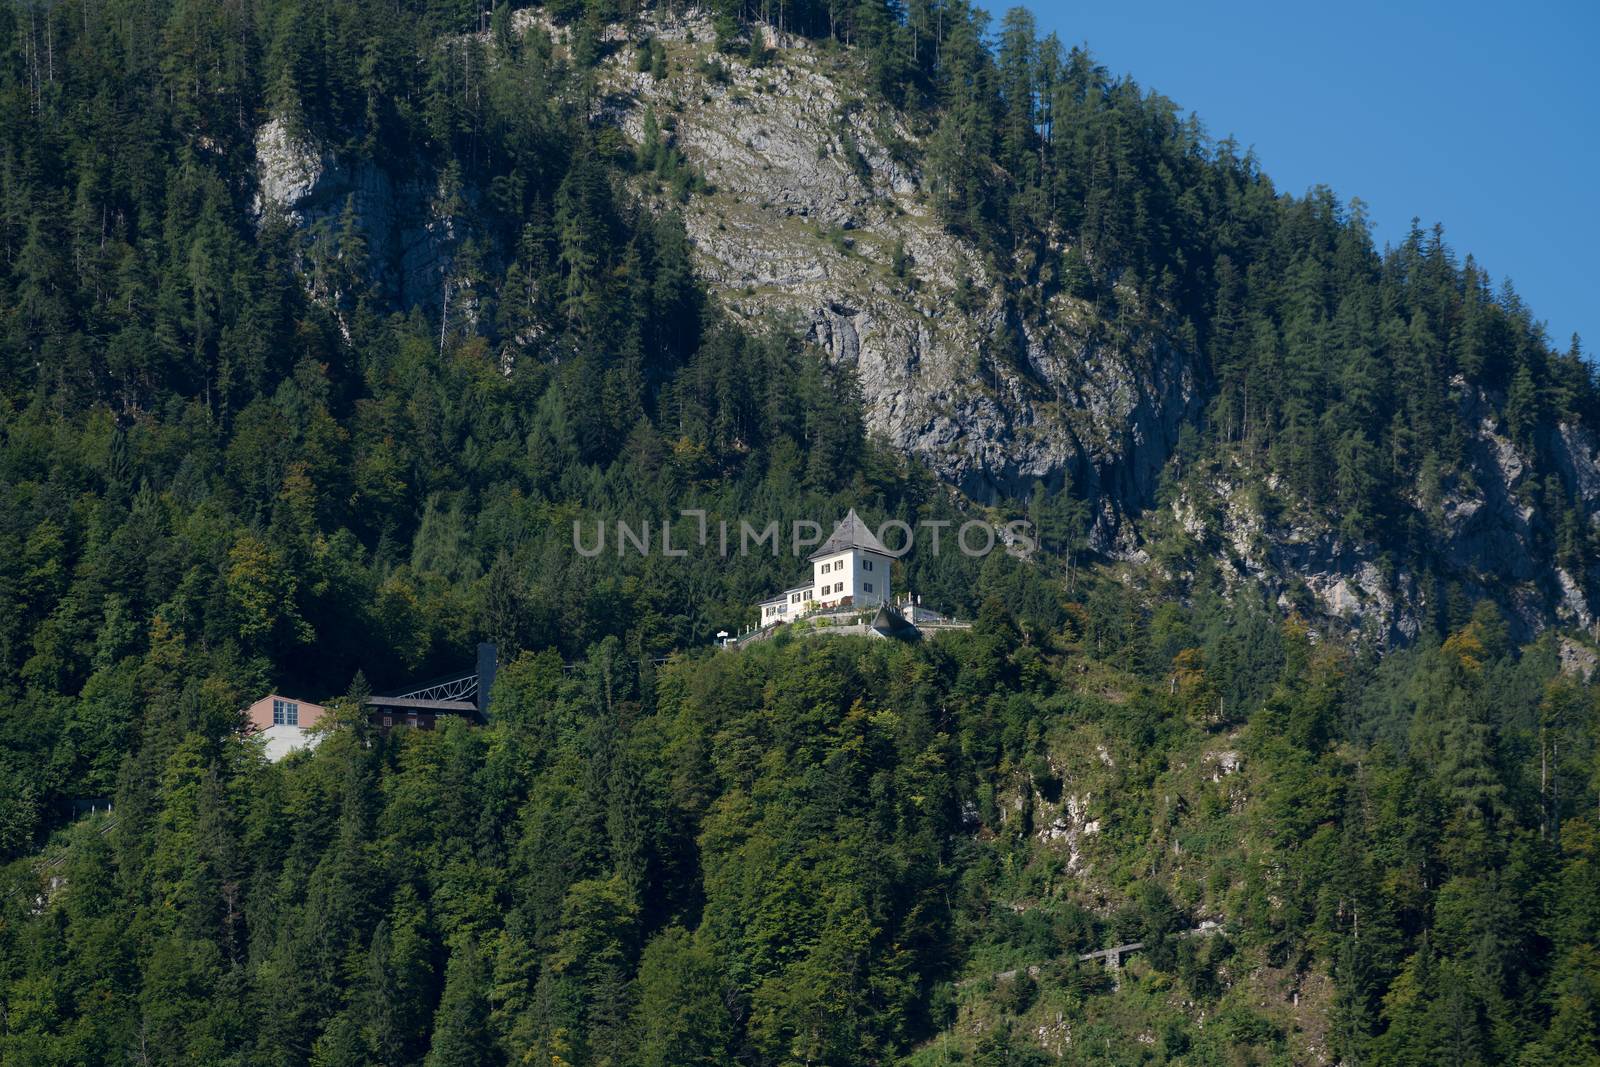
{"x":463,"y":688}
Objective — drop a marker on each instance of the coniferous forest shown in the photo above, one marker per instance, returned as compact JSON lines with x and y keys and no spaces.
{"x":240,"y":454}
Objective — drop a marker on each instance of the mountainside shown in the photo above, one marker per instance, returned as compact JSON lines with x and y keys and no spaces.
{"x":820,"y":214}
{"x":811,"y":200}
{"x":327,"y":327}
{"x":807,"y":218}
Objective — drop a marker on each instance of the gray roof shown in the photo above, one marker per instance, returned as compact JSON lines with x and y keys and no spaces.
{"x":783,"y":597}
{"x":851,"y":533}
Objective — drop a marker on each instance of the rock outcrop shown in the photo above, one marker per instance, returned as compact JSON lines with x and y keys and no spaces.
{"x":1483,"y":527}
{"x":819,"y":215}
{"x":408,"y":239}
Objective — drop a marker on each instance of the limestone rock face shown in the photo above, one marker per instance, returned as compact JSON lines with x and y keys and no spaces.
{"x":1482,"y":526}
{"x":288,"y":168}
{"x":819,"y":216}
{"x":1577,"y":660}
{"x":1575,"y":454}
{"x":408,"y":238}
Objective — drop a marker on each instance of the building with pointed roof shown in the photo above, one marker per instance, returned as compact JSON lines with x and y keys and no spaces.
{"x":850,"y":570}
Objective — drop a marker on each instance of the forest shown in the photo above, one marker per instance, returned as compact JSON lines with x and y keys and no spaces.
{"x":236,"y":456}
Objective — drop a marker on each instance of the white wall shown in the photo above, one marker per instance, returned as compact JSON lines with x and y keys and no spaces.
{"x":853,"y":569}
{"x":789,"y":608}
{"x":282,"y":740}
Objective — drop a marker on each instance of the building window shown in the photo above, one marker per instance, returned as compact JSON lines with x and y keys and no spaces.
{"x":866,"y":587}
{"x":388,"y":721}
{"x":866,"y":564}
{"x":285,"y":713}
{"x":411,"y":719}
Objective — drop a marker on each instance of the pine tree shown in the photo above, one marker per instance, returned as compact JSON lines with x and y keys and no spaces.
{"x":460,"y":1028}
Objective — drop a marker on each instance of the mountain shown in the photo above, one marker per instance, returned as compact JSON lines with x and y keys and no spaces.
{"x":983,"y":354}
{"x":324,"y":324}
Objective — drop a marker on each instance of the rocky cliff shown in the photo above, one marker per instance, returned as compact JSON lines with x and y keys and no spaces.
{"x":819,"y":214}
{"x":1483,"y":530}
{"x":407,"y":232}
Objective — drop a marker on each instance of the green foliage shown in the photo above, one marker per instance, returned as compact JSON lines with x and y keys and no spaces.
{"x":238,"y":454}
{"x":786,"y":852}
{"x":1351,"y":375}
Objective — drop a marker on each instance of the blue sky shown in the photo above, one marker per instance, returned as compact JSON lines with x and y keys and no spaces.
{"x":1485,"y":118}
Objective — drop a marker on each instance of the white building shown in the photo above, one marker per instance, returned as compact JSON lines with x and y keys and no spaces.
{"x":284,"y":723}
{"x":850,"y":570}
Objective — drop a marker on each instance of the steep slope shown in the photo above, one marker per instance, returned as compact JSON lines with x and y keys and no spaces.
{"x":1484,"y":529}
{"x":822,"y":211}
{"x":820,"y":214}
{"x":815,"y":201}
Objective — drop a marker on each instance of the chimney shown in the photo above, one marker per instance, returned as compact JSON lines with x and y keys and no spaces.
{"x":487,"y":662}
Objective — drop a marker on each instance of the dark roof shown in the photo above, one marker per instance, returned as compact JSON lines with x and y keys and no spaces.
{"x":851,"y":533}
{"x":418,"y":704}
{"x":783,"y":597}
{"x":890,"y":622}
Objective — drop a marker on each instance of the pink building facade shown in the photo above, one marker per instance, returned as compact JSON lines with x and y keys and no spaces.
{"x":283,"y":722}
